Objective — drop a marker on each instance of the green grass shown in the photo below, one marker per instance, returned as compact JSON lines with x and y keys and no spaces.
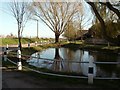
{"x":31,"y":50}
{"x":101,"y":48}
{"x":5,"y":41}
{"x":8,"y":64}
{"x":63,"y":80}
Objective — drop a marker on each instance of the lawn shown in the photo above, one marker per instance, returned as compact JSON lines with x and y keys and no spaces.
{"x":14,"y":41}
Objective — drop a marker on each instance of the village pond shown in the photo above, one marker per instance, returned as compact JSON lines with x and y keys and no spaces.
{"x":105,"y":65}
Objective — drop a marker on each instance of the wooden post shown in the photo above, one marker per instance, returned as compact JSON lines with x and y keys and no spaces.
{"x":28,"y":44}
{"x":7,"y":47}
{"x":19,"y":64}
{"x":35,"y":43}
{"x":90,"y":71}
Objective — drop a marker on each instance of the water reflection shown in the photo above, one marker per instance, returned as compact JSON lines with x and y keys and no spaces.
{"x":106,"y":70}
{"x":84,"y":66}
{"x":67,"y":60}
{"x":57,"y":64}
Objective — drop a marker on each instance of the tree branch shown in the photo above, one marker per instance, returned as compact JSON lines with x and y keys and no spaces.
{"x":99,"y":18}
{"x":108,"y":4}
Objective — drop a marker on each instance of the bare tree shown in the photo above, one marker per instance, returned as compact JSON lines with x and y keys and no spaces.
{"x":55,"y":15}
{"x":83,"y":19}
{"x":19,"y":12}
{"x":70,"y":31}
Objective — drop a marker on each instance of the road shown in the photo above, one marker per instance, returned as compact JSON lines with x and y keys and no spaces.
{"x":17,"y":79}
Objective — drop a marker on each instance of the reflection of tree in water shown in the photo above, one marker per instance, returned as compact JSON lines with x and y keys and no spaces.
{"x":81,"y":59}
{"x":57,"y":64}
{"x":69,"y":56}
{"x":38,"y":56}
{"x":64,"y":63}
{"x":102,"y":57}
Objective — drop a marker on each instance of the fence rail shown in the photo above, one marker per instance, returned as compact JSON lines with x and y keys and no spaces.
{"x":65,"y":60}
{"x":68,"y":76}
{"x":90,"y":76}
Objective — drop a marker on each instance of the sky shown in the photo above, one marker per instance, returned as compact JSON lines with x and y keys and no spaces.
{"x":8,"y":25}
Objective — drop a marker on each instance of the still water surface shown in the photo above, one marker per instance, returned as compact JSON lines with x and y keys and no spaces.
{"x":68,"y":60}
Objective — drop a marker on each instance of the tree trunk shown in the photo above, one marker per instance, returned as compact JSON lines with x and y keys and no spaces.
{"x":19,"y":39}
{"x":57,"y":37}
{"x":108,"y":4}
{"x":20,"y":46}
{"x":57,"y":63}
{"x":99,"y":18}
{"x":57,"y":55}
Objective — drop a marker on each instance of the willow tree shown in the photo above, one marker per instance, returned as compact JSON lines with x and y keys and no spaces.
{"x":20,"y":13}
{"x":102,"y":22}
{"x":83,"y":19}
{"x":70,"y":31}
{"x":55,"y":15}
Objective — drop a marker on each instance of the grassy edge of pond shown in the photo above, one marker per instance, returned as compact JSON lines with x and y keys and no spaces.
{"x":31,"y":50}
{"x":14,"y":40}
{"x":101,"y":48}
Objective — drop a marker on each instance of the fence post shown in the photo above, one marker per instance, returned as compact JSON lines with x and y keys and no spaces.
{"x":5,"y":54}
{"x":28,"y":44}
{"x":90,"y":71}
{"x":36,"y":54}
{"x":18,"y":47}
{"x":35,"y":43}
{"x":7,"y":47}
{"x":19,"y":64}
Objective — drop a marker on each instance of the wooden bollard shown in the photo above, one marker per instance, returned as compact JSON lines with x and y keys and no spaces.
{"x":19,"y":64}
{"x":28,"y":44}
{"x":90,"y":71}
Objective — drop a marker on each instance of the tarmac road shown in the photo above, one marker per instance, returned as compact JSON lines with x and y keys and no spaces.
{"x":16,"y":79}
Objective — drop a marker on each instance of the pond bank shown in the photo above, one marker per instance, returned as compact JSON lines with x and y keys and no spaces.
{"x":74,"y":46}
{"x":101,"y":48}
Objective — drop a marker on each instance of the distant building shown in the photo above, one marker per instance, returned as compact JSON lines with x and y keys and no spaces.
{"x":2,"y":36}
{"x":84,"y":34}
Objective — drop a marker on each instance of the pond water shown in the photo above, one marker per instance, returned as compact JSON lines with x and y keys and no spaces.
{"x":77,"y":61}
